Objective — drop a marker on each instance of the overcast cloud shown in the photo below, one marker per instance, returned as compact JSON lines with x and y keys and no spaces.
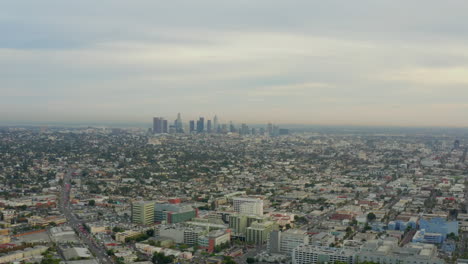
{"x":363,"y":62}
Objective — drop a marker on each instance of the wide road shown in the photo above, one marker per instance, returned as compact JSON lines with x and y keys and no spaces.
{"x":77,"y":225}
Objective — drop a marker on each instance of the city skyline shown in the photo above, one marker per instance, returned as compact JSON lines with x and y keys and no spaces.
{"x":363,"y":63}
{"x":162,"y":125}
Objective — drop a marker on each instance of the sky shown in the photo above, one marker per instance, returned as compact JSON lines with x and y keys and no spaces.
{"x":333,"y":62}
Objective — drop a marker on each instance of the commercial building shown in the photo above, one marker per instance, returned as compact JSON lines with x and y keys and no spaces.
{"x":259,"y":233}
{"x":308,"y":254}
{"x":213,"y":239}
{"x":284,"y":242}
{"x":439,"y":225}
{"x":240,"y":222}
{"x":246,"y":205}
{"x":23,"y":254}
{"x":120,"y":237}
{"x":174,"y":213}
{"x":143,"y":213}
{"x":425,"y":237}
{"x":201,"y":125}
{"x":382,"y":251}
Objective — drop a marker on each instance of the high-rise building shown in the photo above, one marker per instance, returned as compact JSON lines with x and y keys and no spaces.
{"x":143,"y":213}
{"x":215,"y":124}
{"x":164,"y":126}
{"x":258,"y":233}
{"x":192,"y":126}
{"x":285,"y":242}
{"x":201,"y":125}
{"x":208,"y":126}
{"x":244,"y":129}
{"x":174,"y":213}
{"x":232,"y":128}
{"x":223,"y":128}
{"x":270,"y":129}
{"x":178,"y":124}
{"x":157,"y":125}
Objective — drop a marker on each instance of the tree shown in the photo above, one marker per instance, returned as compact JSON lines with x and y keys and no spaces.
{"x":117,"y":229}
{"x":150,"y":232}
{"x":91,"y":203}
{"x":371,"y":217}
{"x":251,"y":260}
{"x":160,"y":258}
{"x":228,"y":260}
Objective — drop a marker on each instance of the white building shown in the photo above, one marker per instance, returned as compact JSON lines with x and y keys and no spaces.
{"x":307,"y":254}
{"x":248,"y":206}
{"x":285,"y":242}
{"x":389,"y":252}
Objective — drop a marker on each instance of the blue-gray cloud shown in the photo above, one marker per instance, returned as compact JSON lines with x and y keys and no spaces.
{"x":365,"y":62}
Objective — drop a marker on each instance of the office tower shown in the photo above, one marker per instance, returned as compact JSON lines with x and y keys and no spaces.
{"x":284,"y":242}
{"x":164,"y":126}
{"x":157,"y":125}
{"x":215,"y":124}
{"x":244,"y":129}
{"x":143,"y":213}
{"x":201,"y":125}
{"x":192,"y":126}
{"x":253,"y":131}
{"x":275,"y":132}
{"x":208,"y":126}
{"x":258,"y":233}
{"x":174,"y":213}
{"x":178,"y":124}
{"x":232,"y":128}
{"x":270,"y":129}
{"x":224,"y":128}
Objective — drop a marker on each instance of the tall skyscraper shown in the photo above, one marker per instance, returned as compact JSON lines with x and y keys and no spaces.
{"x":192,"y":126}
{"x":157,"y":125}
{"x":270,"y":129}
{"x":244,"y":129}
{"x":215,"y":124}
{"x":178,"y":124}
{"x":232,"y":128}
{"x":164,"y":126}
{"x":201,"y":125}
{"x":208,"y":126}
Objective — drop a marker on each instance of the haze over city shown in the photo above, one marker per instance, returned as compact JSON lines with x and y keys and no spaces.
{"x":384,"y":63}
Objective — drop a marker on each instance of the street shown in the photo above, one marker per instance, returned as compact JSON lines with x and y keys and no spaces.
{"x":98,"y":251}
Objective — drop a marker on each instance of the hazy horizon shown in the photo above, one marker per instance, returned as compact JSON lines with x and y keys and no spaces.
{"x":361,"y":63}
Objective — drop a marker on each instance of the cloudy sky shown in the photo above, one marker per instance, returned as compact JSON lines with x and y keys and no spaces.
{"x":363,"y":62}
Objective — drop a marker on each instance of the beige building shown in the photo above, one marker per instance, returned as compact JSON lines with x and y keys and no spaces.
{"x":120,"y":237}
{"x":259,"y":233}
{"x":143,"y":213}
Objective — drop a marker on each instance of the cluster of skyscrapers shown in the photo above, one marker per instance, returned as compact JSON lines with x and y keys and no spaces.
{"x":160,"y":126}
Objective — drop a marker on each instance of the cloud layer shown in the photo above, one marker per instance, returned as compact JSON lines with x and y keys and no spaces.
{"x":311,"y":62}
